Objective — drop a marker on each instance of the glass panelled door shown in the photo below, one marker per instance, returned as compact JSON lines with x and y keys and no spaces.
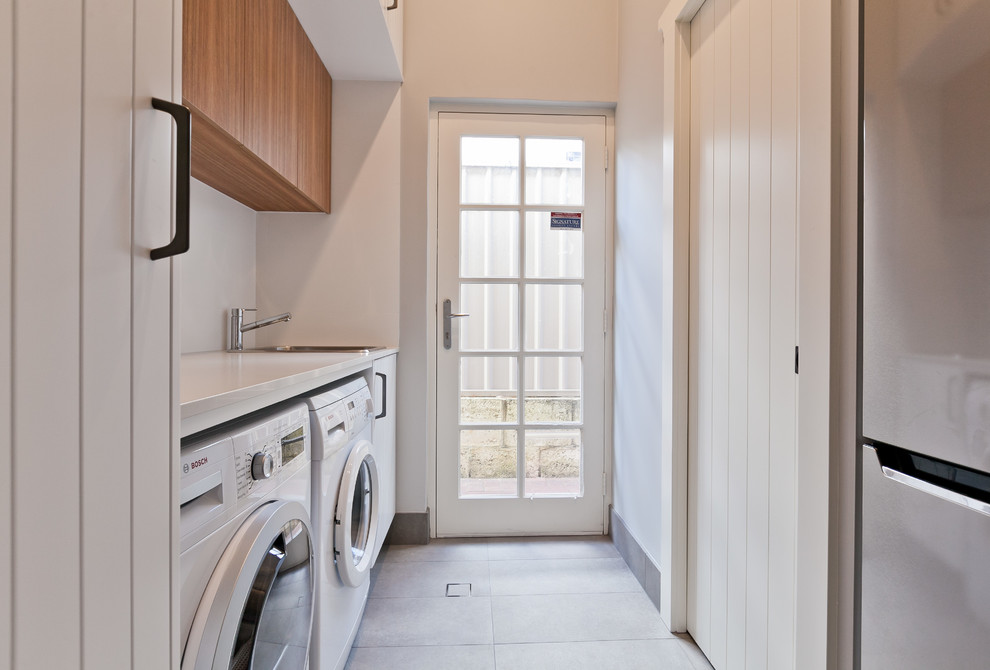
{"x":520,"y":318}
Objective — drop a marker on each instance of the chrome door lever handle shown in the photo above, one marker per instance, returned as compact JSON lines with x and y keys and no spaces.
{"x":448,"y":316}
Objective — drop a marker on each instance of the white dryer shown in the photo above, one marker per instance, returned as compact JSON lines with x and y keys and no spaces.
{"x":346,"y":507}
{"x":247,"y":557}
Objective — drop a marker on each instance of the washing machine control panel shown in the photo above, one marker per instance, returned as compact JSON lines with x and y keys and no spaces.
{"x":360,"y":409}
{"x":256,"y":464}
{"x":268,"y":451}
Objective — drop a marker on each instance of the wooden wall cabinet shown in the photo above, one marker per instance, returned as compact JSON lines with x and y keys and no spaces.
{"x":260,"y":99}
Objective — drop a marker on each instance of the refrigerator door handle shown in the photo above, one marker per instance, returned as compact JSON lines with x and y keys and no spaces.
{"x":891,"y":471}
{"x":937,"y":491}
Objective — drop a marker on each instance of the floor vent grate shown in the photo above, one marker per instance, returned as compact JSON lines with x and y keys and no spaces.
{"x":459,"y":590}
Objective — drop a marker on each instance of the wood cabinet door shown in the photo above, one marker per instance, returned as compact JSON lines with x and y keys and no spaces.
{"x":312,"y":110}
{"x":270,"y":32}
{"x":214,"y":58}
{"x":260,"y":98}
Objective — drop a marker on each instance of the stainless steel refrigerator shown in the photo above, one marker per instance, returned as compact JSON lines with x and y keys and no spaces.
{"x":925,"y":335}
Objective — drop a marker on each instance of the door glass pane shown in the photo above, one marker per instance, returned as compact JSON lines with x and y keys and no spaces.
{"x":489,"y":170}
{"x":488,"y":390}
{"x":361,"y":514}
{"x":493,"y":322}
{"x":487,"y":463}
{"x":553,"y":389}
{"x":274,"y":627}
{"x":554,"y":171}
{"x":552,"y":253}
{"x":553,"y":317}
{"x":489,"y":244}
{"x":553,"y":463}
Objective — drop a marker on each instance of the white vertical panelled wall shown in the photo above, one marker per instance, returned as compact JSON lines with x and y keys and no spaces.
{"x":85,"y":393}
{"x":743,"y":398}
{"x":757,"y":276}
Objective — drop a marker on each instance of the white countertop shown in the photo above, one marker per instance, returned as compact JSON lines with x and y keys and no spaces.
{"x":217,"y":386}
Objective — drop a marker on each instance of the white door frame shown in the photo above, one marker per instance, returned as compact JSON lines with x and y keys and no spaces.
{"x":815,"y":195}
{"x":675,"y":31}
{"x":511,"y":107}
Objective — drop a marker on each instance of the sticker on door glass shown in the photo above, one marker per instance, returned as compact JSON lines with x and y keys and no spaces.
{"x":565,"y":220}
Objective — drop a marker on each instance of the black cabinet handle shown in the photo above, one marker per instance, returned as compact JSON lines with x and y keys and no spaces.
{"x":394,"y":5}
{"x":183,"y":124}
{"x":384,"y":395}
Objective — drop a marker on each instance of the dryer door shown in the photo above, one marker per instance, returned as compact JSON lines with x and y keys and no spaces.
{"x":357,"y":515}
{"x":257,"y":610}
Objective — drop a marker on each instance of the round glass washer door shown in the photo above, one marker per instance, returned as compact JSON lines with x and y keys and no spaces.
{"x":257,"y":611}
{"x":356,"y":516}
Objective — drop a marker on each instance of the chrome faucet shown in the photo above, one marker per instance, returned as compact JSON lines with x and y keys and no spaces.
{"x":238,"y":327}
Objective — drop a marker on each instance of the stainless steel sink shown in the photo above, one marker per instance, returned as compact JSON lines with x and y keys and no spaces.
{"x":318,"y":349}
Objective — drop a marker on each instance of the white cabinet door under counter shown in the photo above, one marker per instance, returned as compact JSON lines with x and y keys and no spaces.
{"x":218,"y":386}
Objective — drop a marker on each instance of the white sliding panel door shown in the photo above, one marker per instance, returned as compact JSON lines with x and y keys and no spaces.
{"x":743,"y":417}
{"x":86,"y":376}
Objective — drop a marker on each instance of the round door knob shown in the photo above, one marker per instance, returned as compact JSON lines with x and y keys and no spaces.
{"x":262,"y":465}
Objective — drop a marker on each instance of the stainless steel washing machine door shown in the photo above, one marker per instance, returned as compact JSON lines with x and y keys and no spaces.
{"x":257,"y":610}
{"x":356,"y":517}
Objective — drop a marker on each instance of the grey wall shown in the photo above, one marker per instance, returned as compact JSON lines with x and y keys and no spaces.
{"x":453,"y":50}
{"x":218,"y":272}
{"x":338,"y":273}
{"x":637,"y":315}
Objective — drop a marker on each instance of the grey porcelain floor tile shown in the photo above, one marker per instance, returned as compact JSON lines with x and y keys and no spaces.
{"x":507,"y":549}
{"x":576,"y":617}
{"x":430,"y":579}
{"x":565,"y":575}
{"x":611,"y":655}
{"x":439,"y":550}
{"x":407,"y":622}
{"x":698,"y":659}
{"x":477,"y":657}
{"x":270,"y":655}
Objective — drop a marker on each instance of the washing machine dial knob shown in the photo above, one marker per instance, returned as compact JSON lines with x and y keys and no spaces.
{"x":262,"y":465}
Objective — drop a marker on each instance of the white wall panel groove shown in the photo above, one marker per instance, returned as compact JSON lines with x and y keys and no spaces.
{"x":6,"y":357}
{"x":721,"y":191}
{"x":738,"y":411}
{"x":783,"y":335}
{"x":758,"y":450}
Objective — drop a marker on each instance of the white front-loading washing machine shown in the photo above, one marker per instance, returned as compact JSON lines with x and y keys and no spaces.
{"x":345,"y":517}
{"x":247,"y":555}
